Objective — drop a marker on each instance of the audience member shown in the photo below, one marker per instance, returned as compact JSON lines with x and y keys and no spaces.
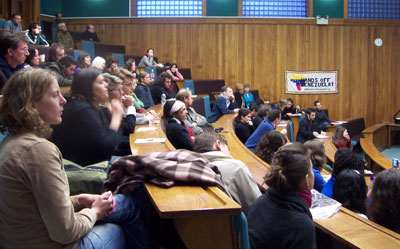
{"x":64,"y":37}
{"x":174,"y":73}
{"x":142,"y":90}
{"x":262,"y":114}
{"x":128,"y":121}
{"x":239,"y":99}
{"x":193,"y":120}
{"x":223,"y":105}
{"x":13,"y":52}
{"x":99,"y":63}
{"x":385,"y":198}
{"x":34,"y":36}
{"x":14,"y":24}
{"x":56,"y":52}
{"x":269,"y":124}
{"x":269,"y":144}
{"x":64,"y":69}
{"x":33,"y":59}
{"x":54,"y":25}
{"x":88,"y":133}
{"x":281,"y":217}
{"x":350,"y":189}
{"x":235,"y":174}
{"x":321,"y":118}
{"x":243,"y":125}
{"x":162,"y":86}
{"x":318,"y":159}
{"x":344,"y":159}
{"x":111,"y":65}
{"x":289,"y":110}
{"x":308,"y":128}
{"x":148,"y":60}
{"x":84,"y":61}
{"x":130,"y":65}
{"x":177,"y":133}
{"x":32,"y":167}
{"x":247,"y":95}
{"x":341,"y":138}
{"x":90,"y":34}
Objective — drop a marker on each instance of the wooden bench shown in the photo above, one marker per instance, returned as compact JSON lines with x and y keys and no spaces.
{"x":203,"y":216}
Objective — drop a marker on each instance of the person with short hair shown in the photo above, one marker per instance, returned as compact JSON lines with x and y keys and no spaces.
{"x":235,"y":174}
{"x":239,"y":99}
{"x":269,"y":124}
{"x":142,"y":90}
{"x":56,"y":52}
{"x":223,"y":105}
{"x":177,"y":133}
{"x":318,"y":159}
{"x":289,"y":110}
{"x":281,"y":217}
{"x":247,"y":95}
{"x":262,"y":114}
{"x":33,"y":35}
{"x":269,"y":144}
{"x":64,"y":37}
{"x":193,"y":120}
{"x":99,"y":63}
{"x":31,"y":166}
{"x":111,"y":65}
{"x":162,"y":86}
{"x":384,"y":208}
{"x":84,"y":61}
{"x":89,"y":131}
{"x":64,"y":69}
{"x":14,"y":24}
{"x":308,"y":128}
{"x":243,"y":125}
{"x":321,"y":118}
{"x":350,"y":190}
{"x":13,"y":53}
{"x":344,"y":159}
{"x":54,"y":25}
{"x":33,"y":59}
{"x":90,"y":34}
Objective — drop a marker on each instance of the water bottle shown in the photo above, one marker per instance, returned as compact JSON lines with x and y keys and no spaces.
{"x":163,"y":99}
{"x":152,"y":74}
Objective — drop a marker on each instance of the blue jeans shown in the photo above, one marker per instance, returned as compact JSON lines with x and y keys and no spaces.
{"x":130,"y":228}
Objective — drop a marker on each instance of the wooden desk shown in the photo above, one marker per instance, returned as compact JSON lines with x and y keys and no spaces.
{"x":330,"y":148}
{"x":345,"y":227}
{"x":203,"y":216}
{"x":296,"y":124}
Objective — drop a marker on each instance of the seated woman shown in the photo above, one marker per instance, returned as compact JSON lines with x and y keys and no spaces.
{"x":289,"y":109}
{"x":99,"y":63}
{"x":162,"y":85}
{"x":89,"y":132}
{"x":33,"y":59}
{"x":84,"y":61}
{"x":177,"y":132}
{"x":351,"y":190}
{"x":174,"y":73}
{"x":39,"y":213}
{"x":318,"y":159}
{"x":142,"y":90}
{"x":281,"y":217}
{"x":239,"y":89}
{"x":269,"y":144}
{"x":247,"y":95}
{"x":342,"y":138}
{"x":385,"y":199}
{"x":130,"y":65}
{"x":243,"y":125}
{"x":148,"y":60}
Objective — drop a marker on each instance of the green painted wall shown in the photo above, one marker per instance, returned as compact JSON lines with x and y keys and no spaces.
{"x":332,"y":8}
{"x":95,"y":8}
{"x":222,"y":7}
{"x":50,"y":7}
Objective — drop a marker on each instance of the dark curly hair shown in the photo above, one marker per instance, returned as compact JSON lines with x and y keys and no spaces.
{"x":268,"y":145}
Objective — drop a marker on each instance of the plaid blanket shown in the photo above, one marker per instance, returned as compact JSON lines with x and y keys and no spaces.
{"x":163,"y":169}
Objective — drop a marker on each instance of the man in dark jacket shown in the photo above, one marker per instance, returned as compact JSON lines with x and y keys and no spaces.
{"x":90,"y":34}
{"x":223,"y":105}
{"x":13,"y":52}
{"x":321,"y":118}
{"x":308,"y":128}
{"x":64,"y":69}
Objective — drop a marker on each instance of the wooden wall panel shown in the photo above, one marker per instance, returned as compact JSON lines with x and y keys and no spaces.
{"x":258,"y":51}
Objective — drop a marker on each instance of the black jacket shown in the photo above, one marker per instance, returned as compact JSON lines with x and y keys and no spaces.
{"x":157,"y":90}
{"x":178,"y":135}
{"x":280,"y":221}
{"x":243,"y":131}
{"x":7,"y":71}
{"x":306,"y":129}
{"x":87,"y":36}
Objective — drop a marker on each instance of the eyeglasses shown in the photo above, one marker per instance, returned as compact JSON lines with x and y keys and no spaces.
{"x":24,"y":49}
